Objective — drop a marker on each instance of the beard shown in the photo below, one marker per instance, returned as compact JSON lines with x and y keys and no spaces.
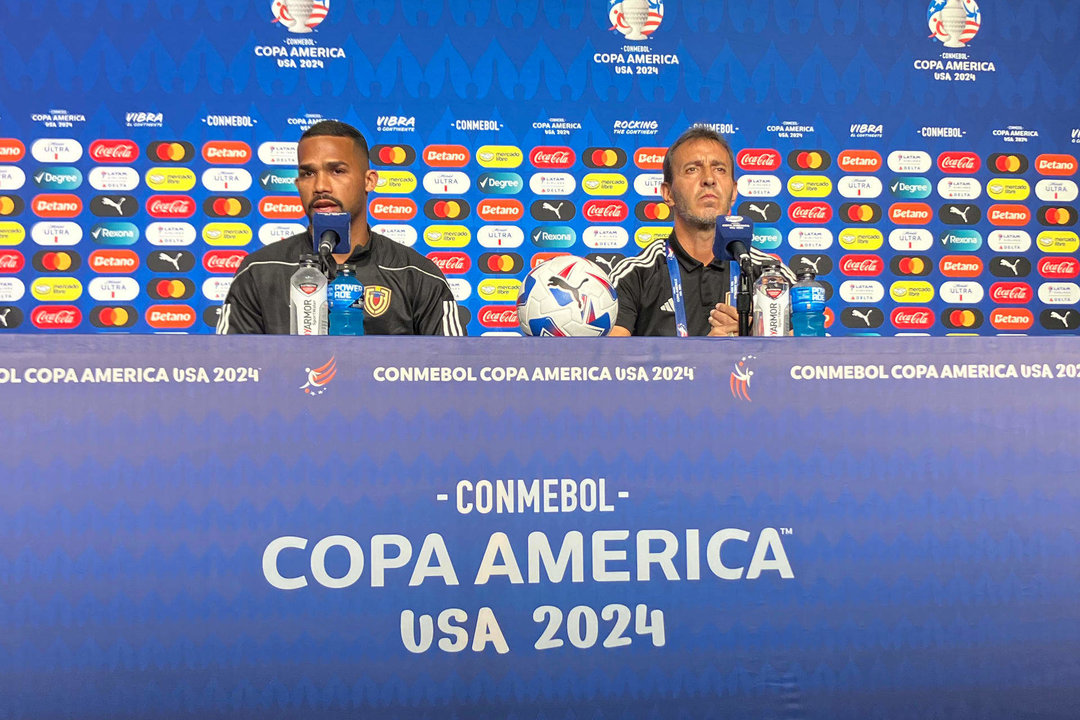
{"x":694,"y":220}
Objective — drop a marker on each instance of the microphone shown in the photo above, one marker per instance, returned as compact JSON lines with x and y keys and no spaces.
{"x":330,"y":233}
{"x":734,"y":235}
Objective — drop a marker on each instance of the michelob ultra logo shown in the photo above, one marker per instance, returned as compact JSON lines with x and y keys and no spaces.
{"x":170,"y":179}
{"x":911,"y":291}
{"x":812,"y":186}
{"x":114,"y":233}
{"x":910,"y":239}
{"x":1058,"y":241}
{"x":643,"y":236}
{"x":68,"y":150}
{"x":1008,"y":189}
{"x":1054,"y":190}
{"x":499,"y":289}
{"x":859,"y":186}
{"x":228,"y":234}
{"x":395,"y":182}
{"x":605,"y":184}
{"x":864,"y":239}
{"x":500,"y":236}
{"x":56,"y":289}
{"x":499,"y":156}
{"x":58,"y":178}
{"x":446,"y":182}
{"x":448,"y":236}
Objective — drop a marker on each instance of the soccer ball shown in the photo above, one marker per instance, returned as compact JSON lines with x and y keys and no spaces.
{"x":567,"y":297}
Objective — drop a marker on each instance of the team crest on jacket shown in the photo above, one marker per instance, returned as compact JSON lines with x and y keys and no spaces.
{"x":376,"y":300}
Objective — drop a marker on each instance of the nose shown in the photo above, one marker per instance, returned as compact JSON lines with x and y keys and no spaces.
{"x":322,"y":182}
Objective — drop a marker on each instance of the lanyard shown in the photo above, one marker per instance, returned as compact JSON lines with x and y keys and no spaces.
{"x":676,"y":290}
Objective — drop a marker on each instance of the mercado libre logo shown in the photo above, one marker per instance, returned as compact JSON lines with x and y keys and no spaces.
{"x":740,"y":378}
{"x":318,"y":378}
{"x":954,"y":22}
{"x":635,"y":19}
{"x":300,"y":16}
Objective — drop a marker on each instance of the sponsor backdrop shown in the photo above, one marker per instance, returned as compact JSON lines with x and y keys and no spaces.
{"x":921,"y":156}
{"x":636,"y":539}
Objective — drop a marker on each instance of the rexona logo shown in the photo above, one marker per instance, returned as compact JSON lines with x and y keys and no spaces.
{"x":810,"y":212}
{"x":959,"y":162}
{"x":223,"y":262}
{"x":606,"y":211}
{"x":57,"y":205}
{"x":498,"y":316}
{"x":912,"y":318}
{"x":391,"y":208}
{"x":447,"y":209}
{"x":758,"y":159}
{"x":1059,"y":268}
{"x":114,"y":151}
{"x":553,"y":236}
{"x":170,"y":151}
{"x":170,"y":206}
{"x":809,"y":159}
{"x":1014,"y":319}
{"x":910,"y":213}
{"x":170,"y":317}
{"x":281,"y":207}
{"x":1011,"y":293}
{"x":500,"y":263}
{"x":650,"y":158}
{"x":962,"y":266}
{"x":394,"y":155}
{"x":861,"y":265}
{"x":115,"y":262}
{"x":446,"y":156}
{"x":56,"y":317}
{"x":552,"y":157}
{"x":859,"y":161}
{"x":11,"y":150}
{"x":603,"y":158}
{"x":1058,"y":165}
{"x":227,"y":152}
{"x":1007,"y":164}
{"x":451,"y":263}
{"x":500,"y":210}
{"x":1008,"y":215}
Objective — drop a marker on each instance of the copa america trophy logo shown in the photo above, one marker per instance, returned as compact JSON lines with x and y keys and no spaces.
{"x":635,"y":19}
{"x":300,"y":16}
{"x":954,"y":22}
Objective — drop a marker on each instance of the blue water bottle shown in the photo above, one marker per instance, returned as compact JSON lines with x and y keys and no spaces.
{"x":346,"y":300}
{"x":808,"y":306}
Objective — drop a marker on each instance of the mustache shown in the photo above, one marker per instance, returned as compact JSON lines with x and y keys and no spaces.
{"x":329,"y":197}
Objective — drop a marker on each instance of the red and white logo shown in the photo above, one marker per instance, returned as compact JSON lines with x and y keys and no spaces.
{"x":1056,"y":268}
{"x":1011,"y":293}
{"x":114,"y":151}
{"x":912,"y":318}
{"x":451,"y":263}
{"x":552,"y":157}
{"x":115,"y":262}
{"x":964,"y":266}
{"x":910,"y":213}
{"x":1011,"y":318}
{"x":226,"y":152}
{"x":170,"y":317}
{"x":281,"y":207}
{"x":11,"y":150}
{"x":1008,"y":215}
{"x":57,"y":205}
{"x":446,"y":156}
{"x":11,"y":261}
{"x":758,"y":159}
{"x":500,"y":210}
{"x":170,"y":206}
{"x":859,"y":161}
{"x":959,"y":162}
{"x":810,"y":212}
{"x":861,"y":265}
{"x":392,"y":208}
{"x":223,"y":261}
{"x":605,"y":211}
{"x":1054,"y":164}
{"x":650,"y":158}
{"x":56,"y":317}
{"x":498,"y":316}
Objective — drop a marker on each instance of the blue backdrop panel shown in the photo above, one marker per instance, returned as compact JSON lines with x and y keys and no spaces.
{"x":913,"y":533}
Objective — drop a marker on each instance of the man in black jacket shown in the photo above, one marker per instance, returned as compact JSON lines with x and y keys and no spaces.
{"x":404,"y":292}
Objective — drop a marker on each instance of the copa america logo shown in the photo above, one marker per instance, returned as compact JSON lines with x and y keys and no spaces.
{"x":954,"y":22}
{"x":300,"y":16}
{"x":635,"y":19}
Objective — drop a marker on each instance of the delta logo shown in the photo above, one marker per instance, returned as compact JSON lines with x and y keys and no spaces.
{"x":56,"y":205}
{"x":281,"y":207}
{"x":170,"y":317}
{"x":1011,"y":293}
{"x":114,"y":262}
{"x":446,"y":156}
{"x":11,"y":261}
{"x":861,"y":265}
{"x":552,"y":157}
{"x":170,"y":151}
{"x":447,"y":209}
{"x":226,"y":152}
{"x":223,"y":262}
{"x":914,"y":318}
{"x":758,"y":159}
{"x":1007,"y":164}
{"x":498,"y":316}
{"x":391,"y":208}
{"x":603,"y":158}
{"x":1062,"y":215}
{"x":114,"y":151}
{"x":1055,"y":268}
{"x":859,"y":161}
{"x":113,"y":316}
{"x":500,"y":210}
{"x":451,"y":263}
{"x":650,"y":158}
{"x":393,"y":155}
{"x":11,"y":150}
{"x":1014,"y":319}
{"x":1055,"y":165}
{"x":809,"y":160}
{"x":960,"y":266}
{"x":170,"y":206}
{"x":910,"y":213}
{"x":501,"y":263}
{"x":963,"y":163}
{"x":170,"y":289}
{"x":605,"y":211}
{"x":1008,"y":215}
{"x":56,"y":317}
{"x":810,"y":212}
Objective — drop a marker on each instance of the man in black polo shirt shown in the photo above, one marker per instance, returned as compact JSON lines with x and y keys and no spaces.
{"x":404,"y":292}
{"x":699,"y":185}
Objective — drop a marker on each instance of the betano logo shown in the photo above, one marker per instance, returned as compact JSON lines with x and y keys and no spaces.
{"x":446,"y":156}
{"x":300,"y":16}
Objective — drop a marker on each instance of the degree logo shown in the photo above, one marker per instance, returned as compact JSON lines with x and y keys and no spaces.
{"x":634,"y":19}
{"x":457,"y":209}
{"x":58,"y":178}
{"x":318,"y":378}
{"x":299,"y":17}
{"x":809,"y":160}
{"x":113,"y":316}
{"x":603,"y":158}
{"x":392,"y":155}
{"x":170,"y":289}
{"x":953,"y":24}
{"x":230,"y":206}
{"x":170,"y":151}
{"x":170,"y":317}
{"x":229,"y":152}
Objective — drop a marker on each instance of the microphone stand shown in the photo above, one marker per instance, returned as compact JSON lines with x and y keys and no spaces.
{"x":744,"y":298}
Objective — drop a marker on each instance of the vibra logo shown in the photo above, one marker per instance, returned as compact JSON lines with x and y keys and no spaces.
{"x":635,"y":19}
{"x":300,"y":16}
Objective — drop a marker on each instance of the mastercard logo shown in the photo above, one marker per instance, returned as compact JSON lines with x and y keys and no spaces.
{"x":392,"y":155}
{"x":117,"y":316}
{"x":11,"y":205}
{"x":911,"y":265}
{"x":603,"y":157}
{"x":809,"y":159}
{"x":170,"y":151}
{"x":648,"y":210}
{"x":1007,"y":164}
{"x":860,"y":212}
{"x":56,"y":261}
{"x":1061,"y":215}
{"x":226,"y":206}
{"x":501,"y":263}
{"x":170,"y":289}
{"x":962,"y":318}
{"x":447,"y":209}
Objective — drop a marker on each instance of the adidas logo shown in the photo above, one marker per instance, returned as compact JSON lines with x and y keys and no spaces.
{"x":669,"y":306}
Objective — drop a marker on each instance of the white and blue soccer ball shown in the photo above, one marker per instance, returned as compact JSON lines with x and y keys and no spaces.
{"x":567,"y":296}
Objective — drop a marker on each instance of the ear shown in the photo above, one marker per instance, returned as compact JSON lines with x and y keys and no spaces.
{"x":665,"y":192}
{"x":734,"y":195}
{"x":371,"y":179}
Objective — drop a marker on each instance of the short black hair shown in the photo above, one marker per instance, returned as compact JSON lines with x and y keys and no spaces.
{"x":696,"y":132}
{"x":336,"y":128}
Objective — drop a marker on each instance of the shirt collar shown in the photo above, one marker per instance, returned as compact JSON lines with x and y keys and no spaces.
{"x":686,"y":262}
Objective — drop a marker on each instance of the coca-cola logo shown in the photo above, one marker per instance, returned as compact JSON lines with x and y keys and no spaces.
{"x":11,"y":261}
{"x":451,"y":263}
{"x":223,"y":261}
{"x":1011,"y":293}
{"x":114,"y":151}
{"x":550,"y":157}
{"x":810,"y":212}
{"x":912,"y":318}
{"x":56,"y":317}
{"x":861,"y":265}
{"x":758,"y":159}
{"x":1011,"y":318}
{"x":605,"y":211}
{"x":1063,"y":268}
{"x":959,"y":162}
{"x":170,"y":206}
{"x":498,"y":316}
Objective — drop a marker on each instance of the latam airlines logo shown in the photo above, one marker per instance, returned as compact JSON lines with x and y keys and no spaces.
{"x":300,"y":16}
{"x":953,"y":22}
{"x":635,"y":19}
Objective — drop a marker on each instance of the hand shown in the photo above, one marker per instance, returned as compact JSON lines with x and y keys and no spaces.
{"x":723,"y":321}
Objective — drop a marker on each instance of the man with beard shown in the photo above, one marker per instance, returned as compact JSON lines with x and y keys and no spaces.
{"x":404,"y":292}
{"x":699,"y":185}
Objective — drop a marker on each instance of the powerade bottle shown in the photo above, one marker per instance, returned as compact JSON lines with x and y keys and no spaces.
{"x":772,"y":303}
{"x":808,"y":306}
{"x":307,"y":298}
{"x":346,"y":303}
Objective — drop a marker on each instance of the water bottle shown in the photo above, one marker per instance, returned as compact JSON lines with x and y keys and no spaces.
{"x":346,"y":303}
{"x":772,"y":303}
{"x":808,"y":306}
{"x":307,"y":298}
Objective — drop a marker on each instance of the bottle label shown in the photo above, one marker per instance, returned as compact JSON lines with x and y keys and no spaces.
{"x":346,"y":295}
{"x":808,"y":298}
{"x":309,"y":311}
